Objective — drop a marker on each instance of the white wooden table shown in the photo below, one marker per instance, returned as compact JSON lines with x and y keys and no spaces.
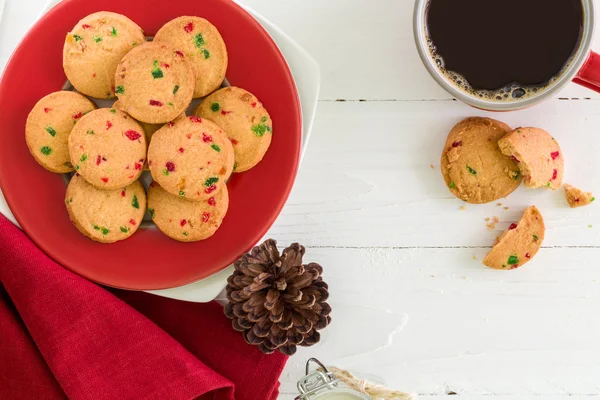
{"x":412,"y":302}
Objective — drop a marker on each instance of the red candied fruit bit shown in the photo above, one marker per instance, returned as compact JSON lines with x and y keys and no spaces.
{"x":457,"y":144}
{"x":577,"y":200}
{"x":253,"y":104}
{"x":112,"y":88}
{"x":205,"y":216}
{"x":85,"y":26}
{"x":512,"y":226}
{"x":210,"y":189}
{"x":515,"y":159}
{"x":105,"y":180}
{"x":137,"y":166}
{"x":108,"y":125}
{"x":46,"y":110}
{"x":206,"y":138}
{"x":94,"y":75}
{"x":189,"y":135}
{"x":554,"y":174}
{"x":179,"y":53}
{"x":193,"y":118}
{"x":78,"y":115}
{"x":132,"y":135}
{"x":554,"y":155}
{"x":233,"y":141}
{"x":182,"y":222}
{"x":170,"y":124}
{"x":527,"y":255}
{"x":170,"y":166}
{"x":189,"y":27}
{"x":123,"y":193}
{"x":181,"y":149}
{"x":212,"y":202}
{"x":155,"y":103}
{"x":130,"y":176}
{"x":223,"y":112}
{"x":149,"y":162}
{"x":132,"y":222}
{"x":98,"y":159}
{"x":165,"y":65}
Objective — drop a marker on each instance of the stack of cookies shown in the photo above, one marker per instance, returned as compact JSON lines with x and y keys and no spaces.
{"x":190,"y":158}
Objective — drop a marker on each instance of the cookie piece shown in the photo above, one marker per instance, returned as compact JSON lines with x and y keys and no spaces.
{"x":474,"y":168}
{"x":191,"y":158}
{"x":183,"y":220}
{"x":199,"y":42}
{"x":154,"y":84}
{"x":105,"y":216}
{"x":108,"y":148}
{"x":247,"y":123}
{"x":93,"y":49}
{"x":49,"y":125}
{"x":520,"y":243}
{"x":577,"y":198}
{"x":538,"y":156}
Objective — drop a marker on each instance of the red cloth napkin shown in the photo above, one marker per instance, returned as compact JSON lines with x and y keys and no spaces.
{"x":62,"y":336}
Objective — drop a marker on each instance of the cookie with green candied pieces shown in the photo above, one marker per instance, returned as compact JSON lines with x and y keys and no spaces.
{"x":537,"y":154}
{"x":93,"y":49}
{"x":49,"y":125}
{"x":577,"y":197}
{"x":105,"y":216}
{"x":520,"y":243}
{"x":474,"y":168}
{"x":198,"y":41}
{"x":191,"y":158}
{"x":108,"y":148}
{"x":187,"y":221}
{"x":245,"y":120}
{"x":154,"y":85}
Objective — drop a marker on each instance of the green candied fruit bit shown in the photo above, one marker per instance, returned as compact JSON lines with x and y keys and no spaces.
{"x":593,"y":199}
{"x":536,"y":238}
{"x":181,"y":193}
{"x":83,"y":158}
{"x":51,"y":131}
{"x":113,"y":32}
{"x":517,"y":175}
{"x":69,"y":200}
{"x":263,"y":119}
{"x":268,"y":128}
{"x":124,"y":229}
{"x":90,"y":132}
{"x":68,"y":164}
{"x":112,"y":110}
{"x":211,"y":181}
{"x":157,"y":73}
{"x":215,"y":107}
{"x":165,"y":172}
{"x":97,"y":39}
{"x":452,"y":185}
{"x":548,"y":184}
{"x":151,"y":212}
{"x":259,"y":130}
{"x":134,"y":44}
{"x":185,"y":233}
{"x":170,"y":104}
{"x":119,"y":89}
{"x":471,"y":170}
{"x":206,"y":54}
{"x":175,"y":89}
{"x":199,"y":40}
{"x":76,"y":167}
{"x":104,"y":230}
{"x":46,"y":150}
{"x":234,"y":166}
{"x":513,"y":260}
{"x":216,"y":148}
{"x":96,"y":227}
{"x":134,"y":202}
{"x":77,"y":38}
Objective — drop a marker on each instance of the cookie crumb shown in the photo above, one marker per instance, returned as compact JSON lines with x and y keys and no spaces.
{"x":491,"y":226}
{"x":496,"y":220}
{"x":474,"y":258}
{"x":506,"y":208}
{"x":462,"y":208}
{"x":499,"y":204}
{"x":431,"y":166}
{"x":487,"y":219}
{"x":576,"y":197}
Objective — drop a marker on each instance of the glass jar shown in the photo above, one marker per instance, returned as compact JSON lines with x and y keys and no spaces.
{"x":321,"y":384}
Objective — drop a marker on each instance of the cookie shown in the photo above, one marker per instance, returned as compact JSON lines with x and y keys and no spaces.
{"x":520,"y":243}
{"x":105,"y":216}
{"x":93,"y":49}
{"x":576,"y":197}
{"x":191,"y":158}
{"x":199,"y":42}
{"x":154,"y":84}
{"x":538,"y":156}
{"x":183,"y":220}
{"x":49,"y":125}
{"x":108,"y":148}
{"x":247,"y":123}
{"x":474,"y":168}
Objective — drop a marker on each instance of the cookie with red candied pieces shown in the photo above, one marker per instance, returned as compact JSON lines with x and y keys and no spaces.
{"x":154,"y":85}
{"x":538,"y":156}
{"x":245,"y":120}
{"x":192,"y":159}
{"x":198,"y":41}
{"x":577,"y":197}
{"x":520,"y":243}
{"x":49,"y":125}
{"x":105,"y":216}
{"x":93,"y":49}
{"x":474,"y":168}
{"x":108,"y":148}
{"x":187,"y":221}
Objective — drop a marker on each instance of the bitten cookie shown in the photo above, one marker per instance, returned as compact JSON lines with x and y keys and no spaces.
{"x":520,"y":243}
{"x":247,"y":123}
{"x":538,"y":156}
{"x":187,"y":221}
{"x":473,"y":166}
{"x":154,"y":84}
{"x":191,"y":158}
{"x":105,"y":216}
{"x":49,"y":125}
{"x":93,"y":49}
{"x":199,"y":42}
{"x":576,"y":197}
{"x":108,"y":148}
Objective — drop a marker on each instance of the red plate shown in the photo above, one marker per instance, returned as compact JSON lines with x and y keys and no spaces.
{"x":148,"y":260}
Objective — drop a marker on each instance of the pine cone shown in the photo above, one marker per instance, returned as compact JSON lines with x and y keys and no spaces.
{"x":276,"y":301}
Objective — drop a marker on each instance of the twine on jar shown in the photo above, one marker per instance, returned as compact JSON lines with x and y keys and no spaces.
{"x":377,"y":392}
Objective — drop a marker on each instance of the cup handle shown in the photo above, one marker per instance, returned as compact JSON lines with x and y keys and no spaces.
{"x":589,"y":74}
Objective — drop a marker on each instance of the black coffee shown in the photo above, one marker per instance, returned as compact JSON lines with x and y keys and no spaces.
{"x":498,"y":44}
